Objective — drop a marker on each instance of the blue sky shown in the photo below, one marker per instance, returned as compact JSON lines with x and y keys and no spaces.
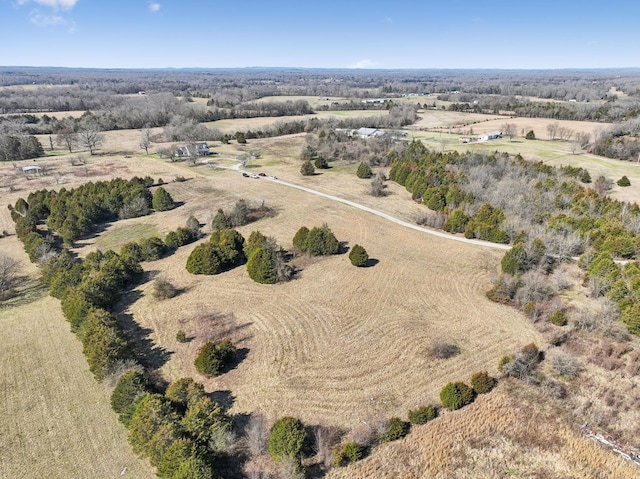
{"x":324,"y":34}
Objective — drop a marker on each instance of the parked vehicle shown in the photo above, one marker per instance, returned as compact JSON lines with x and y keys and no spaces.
{"x":262,"y":174}
{"x":273,"y":177}
{"x":246,"y":175}
{"x":255,"y":176}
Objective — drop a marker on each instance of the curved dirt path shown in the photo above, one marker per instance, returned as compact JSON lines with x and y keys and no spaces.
{"x":393,"y":219}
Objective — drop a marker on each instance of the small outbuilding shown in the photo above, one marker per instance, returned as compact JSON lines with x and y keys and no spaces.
{"x":490,"y":135}
{"x":32,"y":170}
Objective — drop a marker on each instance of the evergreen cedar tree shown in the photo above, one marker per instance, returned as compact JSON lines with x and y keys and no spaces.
{"x":183,"y":391}
{"x":396,"y":429}
{"x":221,"y":221}
{"x":307,"y":168}
{"x":287,"y":438}
{"x":184,"y":459}
{"x":482,"y":383}
{"x":129,"y":391}
{"x":317,"y":241}
{"x":348,"y":453}
{"x":321,"y":163}
{"x":162,"y":200}
{"x":213,"y":358}
{"x":624,"y":181}
{"x":456,"y":395}
{"x":154,"y":426}
{"x":358,"y":256}
{"x":422,"y":415}
{"x":223,"y":251}
{"x":364,"y":171}
{"x":261,"y":266}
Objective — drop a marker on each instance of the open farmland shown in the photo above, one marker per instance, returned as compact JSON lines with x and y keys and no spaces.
{"x":338,"y":345}
{"x":243,"y":124}
{"x":56,"y":421}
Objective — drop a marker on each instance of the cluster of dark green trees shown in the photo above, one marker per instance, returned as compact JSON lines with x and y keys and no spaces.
{"x":14,"y":148}
{"x":429,"y":177}
{"x":77,"y":212}
{"x":181,"y":431}
{"x":223,"y":251}
{"x":549,"y":214}
{"x":317,"y":241}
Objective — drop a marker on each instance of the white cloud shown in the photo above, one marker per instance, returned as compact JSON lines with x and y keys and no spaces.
{"x":42,"y":20}
{"x":366,"y":63}
{"x":55,"y":4}
{"x":154,"y":7}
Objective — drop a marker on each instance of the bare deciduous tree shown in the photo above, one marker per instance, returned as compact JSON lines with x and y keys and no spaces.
{"x":91,"y":137}
{"x":145,"y":139}
{"x":509,"y":129}
{"x":564,"y":364}
{"x":257,"y":434}
{"x":66,"y":137}
{"x":552,"y":129}
{"x":9,"y":269}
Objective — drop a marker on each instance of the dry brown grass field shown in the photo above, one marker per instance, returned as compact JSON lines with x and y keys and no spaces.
{"x":511,"y":432}
{"x":243,"y":124}
{"x":453,"y":119}
{"x":337,"y":345}
{"x":55,"y":419}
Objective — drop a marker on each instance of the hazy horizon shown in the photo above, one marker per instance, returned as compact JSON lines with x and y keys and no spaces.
{"x":403,"y":35}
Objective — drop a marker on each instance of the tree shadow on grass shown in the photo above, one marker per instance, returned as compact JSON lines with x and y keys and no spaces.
{"x":241,"y":355}
{"x":145,"y":350}
{"x":371,"y":262}
{"x":26,"y":291}
{"x":225,"y":398}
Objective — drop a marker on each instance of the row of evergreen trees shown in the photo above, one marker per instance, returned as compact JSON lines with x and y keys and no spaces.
{"x":182,"y":430}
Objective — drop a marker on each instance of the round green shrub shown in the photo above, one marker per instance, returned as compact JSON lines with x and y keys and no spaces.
{"x":422,"y":415}
{"x":504,"y":360}
{"x":348,"y":453}
{"x":181,"y":337}
{"x":558,"y":318}
{"x":364,"y":171}
{"x":212,"y":358}
{"x":396,"y":429}
{"x":456,"y":395}
{"x":286,"y":438}
{"x":482,"y":383}
{"x":358,"y":256}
